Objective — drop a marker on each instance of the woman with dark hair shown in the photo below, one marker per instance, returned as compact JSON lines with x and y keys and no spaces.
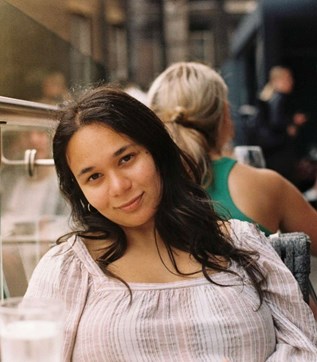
{"x":150,"y":272}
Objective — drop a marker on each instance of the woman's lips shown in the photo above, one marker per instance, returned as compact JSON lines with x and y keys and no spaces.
{"x":132,"y":204}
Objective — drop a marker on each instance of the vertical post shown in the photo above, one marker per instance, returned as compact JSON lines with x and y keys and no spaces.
{"x":144,"y":40}
{"x":176,"y":29}
{"x":2,"y":282}
{"x":220,"y":25}
{"x":104,"y":39}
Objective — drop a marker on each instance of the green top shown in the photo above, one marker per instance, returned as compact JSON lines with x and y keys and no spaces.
{"x":220,"y":194}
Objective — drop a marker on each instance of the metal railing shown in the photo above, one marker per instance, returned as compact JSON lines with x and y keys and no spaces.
{"x":17,"y":112}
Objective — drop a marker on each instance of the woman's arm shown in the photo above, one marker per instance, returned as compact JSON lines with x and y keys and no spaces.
{"x":275,"y":202}
{"x":296,"y":332}
{"x":296,"y":214}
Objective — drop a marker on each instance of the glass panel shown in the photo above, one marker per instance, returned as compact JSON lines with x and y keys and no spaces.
{"x":33,"y":212}
{"x":37,"y":65}
{"x":31,"y":54}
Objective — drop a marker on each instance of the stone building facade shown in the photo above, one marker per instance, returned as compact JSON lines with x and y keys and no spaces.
{"x":91,"y":41}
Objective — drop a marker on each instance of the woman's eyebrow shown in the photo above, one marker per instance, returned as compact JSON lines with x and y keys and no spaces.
{"x":115,"y":154}
{"x":122,"y":149}
{"x":84,"y":171}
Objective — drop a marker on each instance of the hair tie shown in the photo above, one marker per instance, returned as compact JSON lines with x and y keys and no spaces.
{"x":179,"y":115}
{"x":191,"y":125}
{"x":180,"y":118}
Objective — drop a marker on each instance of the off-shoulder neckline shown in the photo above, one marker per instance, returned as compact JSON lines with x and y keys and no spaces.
{"x":92,"y":267}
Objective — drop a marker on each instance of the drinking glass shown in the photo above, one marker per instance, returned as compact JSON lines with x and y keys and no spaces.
{"x":250,"y":155}
{"x":31,"y":330}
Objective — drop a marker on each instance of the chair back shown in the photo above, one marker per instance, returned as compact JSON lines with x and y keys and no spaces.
{"x":294,"y":250}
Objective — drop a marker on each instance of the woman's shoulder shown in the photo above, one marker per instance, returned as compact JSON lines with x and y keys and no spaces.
{"x":70,"y":256}
{"x":264,"y":172}
{"x":58,"y":254}
{"x":74,"y":254}
{"x":61,"y":275}
{"x":246,"y":234}
{"x":60,"y":248}
{"x":267,"y":179}
{"x":238,"y":227}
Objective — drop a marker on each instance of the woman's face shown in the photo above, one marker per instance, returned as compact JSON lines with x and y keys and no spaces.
{"x":117,"y":176}
{"x":284,"y":82}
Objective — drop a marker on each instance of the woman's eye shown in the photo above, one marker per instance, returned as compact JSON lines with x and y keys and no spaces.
{"x":126,"y":158}
{"x":93,"y":177}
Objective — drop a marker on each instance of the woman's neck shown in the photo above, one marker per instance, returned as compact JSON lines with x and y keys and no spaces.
{"x":214,"y":155}
{"x":143,"y":239}
{"x":226,"y":151}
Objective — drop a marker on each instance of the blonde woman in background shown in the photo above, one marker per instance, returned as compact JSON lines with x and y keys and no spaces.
{"x":280,"y":80}
{"x":192,"y":100}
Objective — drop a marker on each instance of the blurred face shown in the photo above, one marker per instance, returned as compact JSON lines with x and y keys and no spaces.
{"x":284,"y":82}
{"x":54,"y":86}
{"x":117,"y":176}
{"x":40,"y":140}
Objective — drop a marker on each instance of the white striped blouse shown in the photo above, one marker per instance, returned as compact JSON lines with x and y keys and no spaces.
{"x":191,"y":320}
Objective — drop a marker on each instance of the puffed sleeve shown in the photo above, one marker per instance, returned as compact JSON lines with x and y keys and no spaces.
{"x":295,"y":326}
{"x":59,"y":275}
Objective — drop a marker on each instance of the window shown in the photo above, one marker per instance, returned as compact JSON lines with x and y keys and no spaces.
{"x":81,"y":49}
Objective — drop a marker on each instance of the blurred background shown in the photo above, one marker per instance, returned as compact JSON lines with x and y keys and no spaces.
{"x":51,"y":46}
{"x":126,"y":40}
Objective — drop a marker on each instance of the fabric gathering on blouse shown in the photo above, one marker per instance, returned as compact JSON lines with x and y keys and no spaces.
{"x":189,"y":320}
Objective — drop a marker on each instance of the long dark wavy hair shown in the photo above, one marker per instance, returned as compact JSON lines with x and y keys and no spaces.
{"x":185,"y":218}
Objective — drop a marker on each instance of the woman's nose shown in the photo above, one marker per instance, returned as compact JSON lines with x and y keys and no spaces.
{"x":118,"y":184}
